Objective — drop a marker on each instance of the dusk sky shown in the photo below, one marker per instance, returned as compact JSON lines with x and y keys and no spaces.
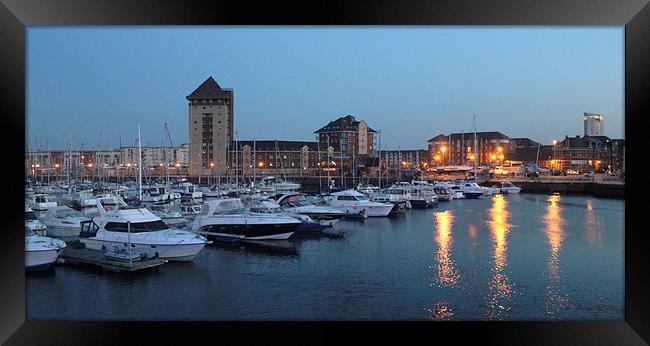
{"x":411,"y":83}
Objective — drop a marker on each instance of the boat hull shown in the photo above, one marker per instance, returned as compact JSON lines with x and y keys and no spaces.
{"x":472,"y":195}
{"x":248,"y":232}
{"x":370,"y":211}
{"x":420,"y":204}
{"x":41,"y":259}
{"x":171,"y":252}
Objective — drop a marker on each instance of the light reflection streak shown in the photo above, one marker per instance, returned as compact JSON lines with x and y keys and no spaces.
{"x":555,"y":300}
{"x":499,"y":289}
{"x":447,"y":276}
{"x":441,"y":311}
{"x":472,"y":231}
{"x":593,"y":226}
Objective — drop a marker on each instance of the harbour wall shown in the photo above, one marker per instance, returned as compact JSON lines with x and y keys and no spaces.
{"x":604,"y":190}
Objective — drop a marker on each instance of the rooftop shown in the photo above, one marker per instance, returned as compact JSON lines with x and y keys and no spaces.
{"x":209,"y":89}
{"x":346,"y":123}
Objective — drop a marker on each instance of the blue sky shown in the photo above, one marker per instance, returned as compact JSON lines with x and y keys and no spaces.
{"x":410,"y":82}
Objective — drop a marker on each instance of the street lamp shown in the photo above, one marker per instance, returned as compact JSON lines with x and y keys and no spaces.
{"x":443,"y":149}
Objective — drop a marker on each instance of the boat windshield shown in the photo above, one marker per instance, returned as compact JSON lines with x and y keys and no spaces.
{"x":361,"y":198}
{"x":395,"y":191}
{"x":68,"y":213}
{"x":29,"y":216}
{"x":136,"y":227}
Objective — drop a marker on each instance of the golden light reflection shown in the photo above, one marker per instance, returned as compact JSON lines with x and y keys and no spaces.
{"x":446,"y":274}
{"x":499,"y":289}
{"x":555,"y":234}
{"x":472,"y":231}
{"x":593,"y":226}
{"x":440,"y":311}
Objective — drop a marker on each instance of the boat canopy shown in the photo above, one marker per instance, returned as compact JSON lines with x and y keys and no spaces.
{"x":348,"y":193}
{"x":218,"y":206}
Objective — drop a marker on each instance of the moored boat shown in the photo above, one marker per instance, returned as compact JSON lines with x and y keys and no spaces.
{"x":228,"y":220}
{"x":120,"y":225}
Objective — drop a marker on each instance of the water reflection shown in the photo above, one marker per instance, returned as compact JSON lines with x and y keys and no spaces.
{"x":440,"y":311}
{"x":593,"y":226}
{"x":555,"y":300}
{"x":499,"y":289}
{"x":446,"y":274}
{"x":282,"y":248}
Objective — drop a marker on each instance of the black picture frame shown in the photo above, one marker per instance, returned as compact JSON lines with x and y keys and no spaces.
{"x":16,"y":15}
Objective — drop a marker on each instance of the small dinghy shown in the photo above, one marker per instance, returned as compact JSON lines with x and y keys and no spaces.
{"x":122,"y":255}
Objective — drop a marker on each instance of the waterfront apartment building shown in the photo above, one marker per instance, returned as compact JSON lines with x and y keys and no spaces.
{"x":594,"y":124}
{"x":458,"y":149}
{"x":211,"y":124}
{"x":122,"y":161}
{"x":405,"y":158}
{"x":279,"y":158}
{"x":597,"y":153}
{"x":527,"y":151}
{"x":348,"y":136}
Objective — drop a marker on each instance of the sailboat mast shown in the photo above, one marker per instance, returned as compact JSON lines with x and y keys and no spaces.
{"x":328,"y":162}
{"x":476,"y":155}
{"x":380,"y":159}
{"x":139,"y":164}
{"x":320,"y":175}
{"x":254,"y":164}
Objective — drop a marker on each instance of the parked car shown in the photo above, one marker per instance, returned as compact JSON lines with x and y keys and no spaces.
{"x":498,"y":170}
{"x":589,"y":174}
{"x":572,"y":172}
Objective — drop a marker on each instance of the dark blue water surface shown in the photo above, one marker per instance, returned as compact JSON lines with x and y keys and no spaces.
{"x":516,"y":257}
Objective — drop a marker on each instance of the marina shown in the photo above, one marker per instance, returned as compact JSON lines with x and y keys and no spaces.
{"x":505,"y":256}
{"x":339,"y":180}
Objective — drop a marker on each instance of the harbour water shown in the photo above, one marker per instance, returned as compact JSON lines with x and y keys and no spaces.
{"x":502,"y":257}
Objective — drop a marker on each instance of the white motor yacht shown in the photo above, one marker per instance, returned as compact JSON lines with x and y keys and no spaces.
{"x":443,"y":192}
{"x":157,"y":193}
{"x":367,"y":189}
{"x":353,"y":202}
{"x":272,"y":184}
{"x":456,"y":190}
{"x":63,"y":221}
{"x":296,"y":203}
{"x":117,"y":225}
{"x":43,"y":202}
{"x":472,"y":190}
{"x":228,"y":220}
{"x":189,"y":190}
{"x":508,"y":187}
{"x":41,"y":252}
{"x":33,"y":223}
{"x":84,"y":199}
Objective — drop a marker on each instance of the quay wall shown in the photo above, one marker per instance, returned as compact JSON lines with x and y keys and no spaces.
{"x":583,"y":188}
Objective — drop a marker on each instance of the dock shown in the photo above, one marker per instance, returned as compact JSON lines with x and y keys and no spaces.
{"x":70,"y":255}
